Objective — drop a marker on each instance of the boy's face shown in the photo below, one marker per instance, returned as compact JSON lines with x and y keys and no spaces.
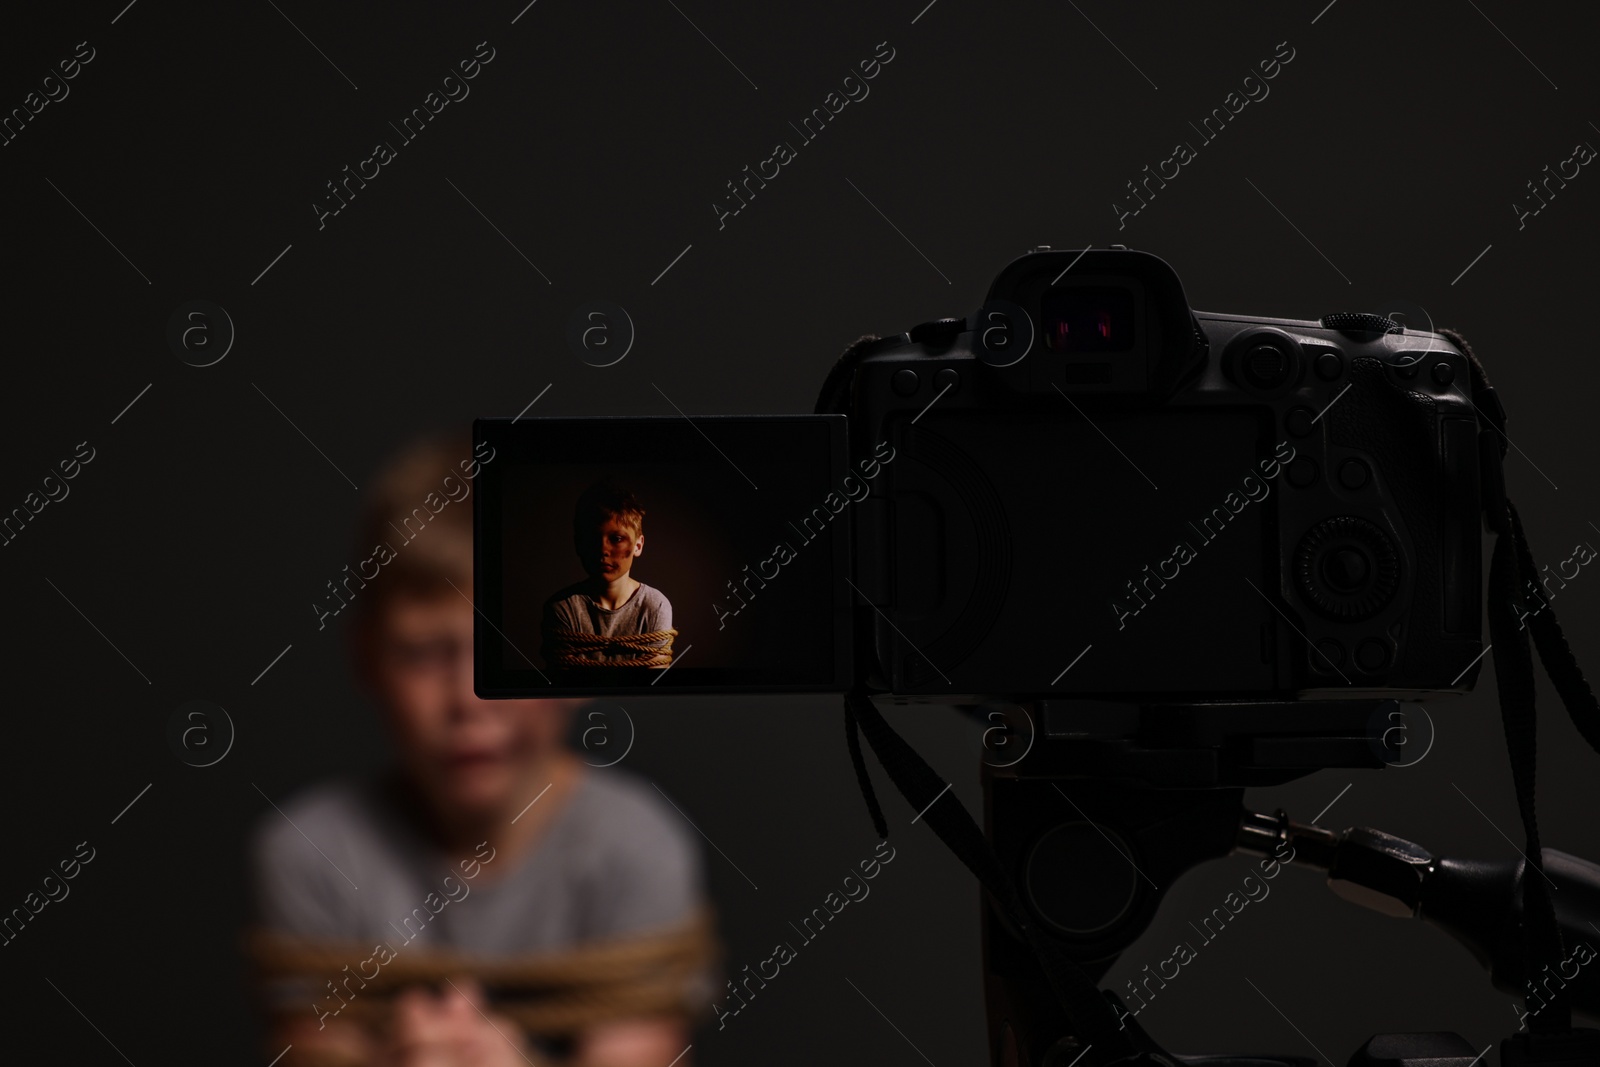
{"x":471,"y":757}
{"x":609,"y":550}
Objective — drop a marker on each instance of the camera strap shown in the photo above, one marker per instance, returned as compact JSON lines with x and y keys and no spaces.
{"x":1513,"y":671}
{"x":1511,"y":573}
{"x":1087,"y":1011}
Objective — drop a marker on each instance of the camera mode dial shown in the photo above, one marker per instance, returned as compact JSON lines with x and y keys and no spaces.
{"x":1360,"y":322}
{"x":1347,"y":568}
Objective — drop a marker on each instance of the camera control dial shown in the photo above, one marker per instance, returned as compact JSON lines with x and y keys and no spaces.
{"x":1347,"y":568}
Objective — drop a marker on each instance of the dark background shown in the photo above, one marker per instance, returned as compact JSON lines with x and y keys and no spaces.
{"x":596,"y":140}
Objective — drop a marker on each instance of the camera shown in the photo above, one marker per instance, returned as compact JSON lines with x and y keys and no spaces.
{"x":1187,"y":553}
{"x":1085,"y":489}
{"x":1087,"y":464}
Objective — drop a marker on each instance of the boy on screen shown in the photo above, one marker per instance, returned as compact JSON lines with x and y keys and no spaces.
{"x":609,"y":619}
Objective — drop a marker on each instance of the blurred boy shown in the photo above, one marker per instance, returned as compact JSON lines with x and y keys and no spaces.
{"x":487,"y":858}
{"x":609,"y":619}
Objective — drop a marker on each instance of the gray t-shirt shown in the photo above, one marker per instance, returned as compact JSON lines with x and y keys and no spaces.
{"x":646,"y":611}
{"x":616,"y":860}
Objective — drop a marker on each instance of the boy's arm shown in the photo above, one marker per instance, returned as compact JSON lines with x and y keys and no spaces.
{"x":566,"y":614}
{"x":660,"y":618}
{"x":558,"y":616}
{"x":652,"y":879}
{"x":291,"y":897}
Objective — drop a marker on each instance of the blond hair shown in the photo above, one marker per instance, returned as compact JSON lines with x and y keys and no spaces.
{"x":418,"y":507}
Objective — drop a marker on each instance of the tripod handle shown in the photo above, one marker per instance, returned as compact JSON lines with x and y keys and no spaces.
{"x":1478,"y":902}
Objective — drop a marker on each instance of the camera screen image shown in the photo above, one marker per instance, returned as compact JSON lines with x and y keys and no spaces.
{"x":620,"y":555}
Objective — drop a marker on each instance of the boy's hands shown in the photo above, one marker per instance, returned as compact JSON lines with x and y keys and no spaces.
{"x":456,"y":1028}
{"x":451,"y":1029}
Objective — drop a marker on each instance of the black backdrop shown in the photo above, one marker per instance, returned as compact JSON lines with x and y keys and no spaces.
{"x":184,"y":163}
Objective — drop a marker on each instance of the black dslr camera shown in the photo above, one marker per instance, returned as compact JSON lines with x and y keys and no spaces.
{"x":1085,"y":489}
{"x":1179,"y":554}
{"x":1090,"y":478}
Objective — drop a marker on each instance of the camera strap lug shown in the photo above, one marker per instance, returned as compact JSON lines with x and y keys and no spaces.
{"x":1492,"y":439}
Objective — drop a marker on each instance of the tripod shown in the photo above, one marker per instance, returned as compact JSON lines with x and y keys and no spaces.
{"x":1163,"y":786}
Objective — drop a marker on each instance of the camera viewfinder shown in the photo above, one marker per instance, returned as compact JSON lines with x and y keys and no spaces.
{"x":1088,"y":319}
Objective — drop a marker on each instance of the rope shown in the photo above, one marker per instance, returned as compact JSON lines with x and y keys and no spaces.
{"x":568,"y":648}
{"x":550,"y":994}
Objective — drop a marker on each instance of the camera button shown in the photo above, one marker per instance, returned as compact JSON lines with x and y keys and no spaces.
{"x":1329,"y":652}
{"x":905,"y":381}
{"x":1443,"y":373}
{"x":1329,"y":366}
{"x":1302,"y":472}
{"x":1300,"y":421}
{"x":937,"y":332}
{"x":1372,"y":655}
{"x":1353,"y":474}
{"x":1266,"y":366}
{"x":949,"y":378}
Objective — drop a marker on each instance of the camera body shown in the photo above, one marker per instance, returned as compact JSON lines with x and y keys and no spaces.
{"x":1096,"y":492}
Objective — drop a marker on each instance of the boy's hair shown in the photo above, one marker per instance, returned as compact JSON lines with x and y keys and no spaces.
{"x":606,"y":500}
{"x":419,"y":507}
